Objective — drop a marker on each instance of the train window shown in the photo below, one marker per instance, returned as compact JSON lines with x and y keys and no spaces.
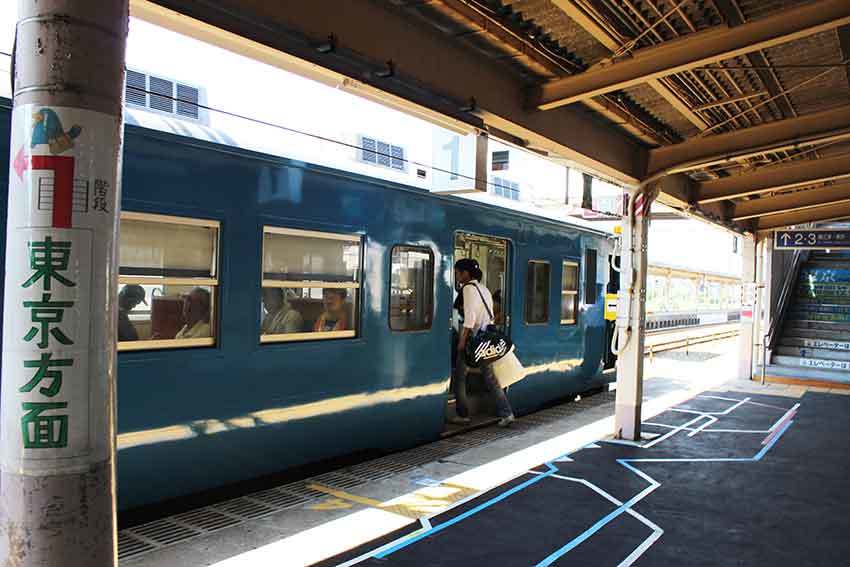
{"x":411,"y":289}
{"x":590,"y":276}
{"x":569,"y":293}
{"x":311,"y":282}
{"x":167,"y":281}
{"x":537,"y":292}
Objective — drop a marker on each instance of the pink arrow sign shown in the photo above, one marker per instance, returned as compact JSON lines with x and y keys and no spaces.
{"x":20,"y":164}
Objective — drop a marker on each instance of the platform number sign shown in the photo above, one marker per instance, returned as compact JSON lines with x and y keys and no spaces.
{"x":811,"y":239}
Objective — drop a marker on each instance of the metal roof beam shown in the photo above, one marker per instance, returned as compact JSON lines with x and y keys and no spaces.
{"x":694,"y":50}
{"x":732,"y":14}
{"x":787,"y":176}
{"x":791,"y":133}
{"x":797,"y":201}
{"x":826,"y":212}
{"x":337,"y":42}
{"x":844,"y":43}
{"x":612,"y":43}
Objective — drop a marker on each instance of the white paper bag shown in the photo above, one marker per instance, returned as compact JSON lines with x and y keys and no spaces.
{"x":508,"y":369}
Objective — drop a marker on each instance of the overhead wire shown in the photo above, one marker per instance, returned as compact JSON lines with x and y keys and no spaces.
{"x":376,"y":152}
{"x":455,"y":174}
{"x":319,"y":137}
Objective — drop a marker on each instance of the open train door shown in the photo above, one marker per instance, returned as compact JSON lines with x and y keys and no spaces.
{"x":493,"y":255}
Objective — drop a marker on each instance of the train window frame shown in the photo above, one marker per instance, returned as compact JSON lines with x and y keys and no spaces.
{"x":308,"y":336}
{"x":548,"y":318}
{"x":204,"y":282}
{"x":570,"y":292}
{"x":433,"y":259}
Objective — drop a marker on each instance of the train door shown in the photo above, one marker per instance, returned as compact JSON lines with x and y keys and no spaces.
{"x":493,"y":255}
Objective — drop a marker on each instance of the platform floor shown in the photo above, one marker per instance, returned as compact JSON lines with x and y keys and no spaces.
{"x":734,"y":473}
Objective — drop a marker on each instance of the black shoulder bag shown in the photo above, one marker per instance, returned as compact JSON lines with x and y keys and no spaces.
{"x":489,"y":344}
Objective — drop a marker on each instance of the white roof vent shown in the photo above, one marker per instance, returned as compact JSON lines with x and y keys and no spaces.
{"x":384,"y":154}
{"x":163,"y":95}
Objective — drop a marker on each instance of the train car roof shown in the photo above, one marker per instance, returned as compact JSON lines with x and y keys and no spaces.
{"x":151,"y":124}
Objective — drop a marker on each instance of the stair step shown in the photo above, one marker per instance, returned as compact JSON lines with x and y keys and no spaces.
{"x":826,"y":260}
{"x":814,"y":353}
{"x":827,"y":263}
{"x":807,"y":373}
{"x":841,"y":318}
{"x":813,"y":363}
{"x":832,"y":303}
{"x":820,"y":308}
{"x":835,"y":287}
{"x":794,"y":334}
{"x":791,"y":325}
{"x":817,"y":297}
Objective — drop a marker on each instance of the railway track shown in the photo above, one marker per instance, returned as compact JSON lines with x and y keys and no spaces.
{"x":684,"y":338}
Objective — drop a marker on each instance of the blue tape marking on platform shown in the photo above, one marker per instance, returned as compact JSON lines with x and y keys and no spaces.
{"x":641,"y":495}
{"x":605,"y":520}
{"x":625,"y":507}
{"x":468,"y":513}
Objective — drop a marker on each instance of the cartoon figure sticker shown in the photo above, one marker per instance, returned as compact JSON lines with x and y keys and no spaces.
{"x":47,"y":129}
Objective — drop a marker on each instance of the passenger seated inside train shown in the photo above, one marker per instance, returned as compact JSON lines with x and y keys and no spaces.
{"x":335,"y":315}
{"x":128,"y":298}
{"x":196,"y":313}
{"x":280,"y":317}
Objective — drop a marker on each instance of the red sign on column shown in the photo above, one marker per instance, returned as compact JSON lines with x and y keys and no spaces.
{"x":63,"y":182}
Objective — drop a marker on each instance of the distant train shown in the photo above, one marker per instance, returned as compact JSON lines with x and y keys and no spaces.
{"x":275,"y":314}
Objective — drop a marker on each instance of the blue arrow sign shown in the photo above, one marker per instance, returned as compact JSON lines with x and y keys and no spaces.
{"x":811,"y":239}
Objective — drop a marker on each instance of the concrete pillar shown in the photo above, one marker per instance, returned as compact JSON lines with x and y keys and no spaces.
{"x":57,"y":439}
{"x":631,"y":321}
{"x":749,"y":308}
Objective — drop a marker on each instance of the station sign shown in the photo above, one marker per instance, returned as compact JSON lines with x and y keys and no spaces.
{"x":813,"y":239}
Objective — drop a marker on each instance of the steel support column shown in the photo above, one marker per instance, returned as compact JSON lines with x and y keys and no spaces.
{"x":57,"y":439}
{"x":749,"y":308}
{"x":765,"y":267}
{"x":631,"y":321}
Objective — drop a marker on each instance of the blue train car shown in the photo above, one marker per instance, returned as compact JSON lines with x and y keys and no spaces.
{"x":238,"y":402}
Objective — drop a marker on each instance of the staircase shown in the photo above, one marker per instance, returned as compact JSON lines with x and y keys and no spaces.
{"x":814,"y":343}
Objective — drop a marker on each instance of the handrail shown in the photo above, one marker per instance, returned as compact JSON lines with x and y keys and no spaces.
{"x":788,"y":285}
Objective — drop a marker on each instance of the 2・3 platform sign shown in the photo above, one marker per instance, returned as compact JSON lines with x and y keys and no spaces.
{"x":815,"y":239}
{"x":62,"y":198}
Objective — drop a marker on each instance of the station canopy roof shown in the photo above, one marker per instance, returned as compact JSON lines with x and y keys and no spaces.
{"x":739,"y":110}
